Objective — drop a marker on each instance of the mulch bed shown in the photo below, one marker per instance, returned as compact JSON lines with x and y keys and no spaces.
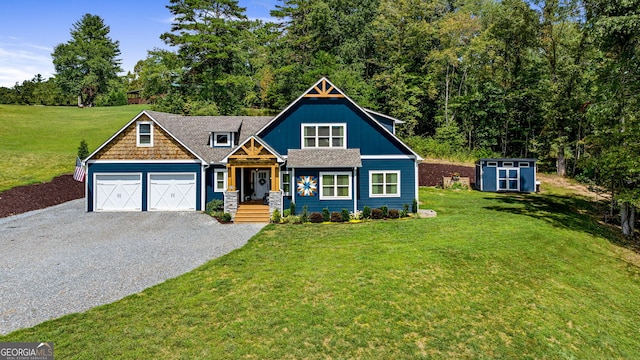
{"x":38,"y":196}
{"x":431,"y":174}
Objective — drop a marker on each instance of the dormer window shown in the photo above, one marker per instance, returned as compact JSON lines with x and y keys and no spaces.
{"x":144,"y":134}
{"x":222,"y":139}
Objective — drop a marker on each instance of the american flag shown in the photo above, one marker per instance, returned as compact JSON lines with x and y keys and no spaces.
{"x":78,"y":175}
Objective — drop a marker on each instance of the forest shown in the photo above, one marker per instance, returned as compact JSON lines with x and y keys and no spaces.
{"x":556,"y":80}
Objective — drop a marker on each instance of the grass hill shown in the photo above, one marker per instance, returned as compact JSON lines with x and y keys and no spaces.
{"x":38,"y":143}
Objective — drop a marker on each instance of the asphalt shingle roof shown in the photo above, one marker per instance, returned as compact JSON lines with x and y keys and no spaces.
{"x":324,"y":158}
{"x":194,"y":131}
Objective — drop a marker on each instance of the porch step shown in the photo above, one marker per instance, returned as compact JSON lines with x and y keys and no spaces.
{"x":252,"y":213}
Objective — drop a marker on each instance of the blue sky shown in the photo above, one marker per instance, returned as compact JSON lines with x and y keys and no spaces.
{"x":29,"y":30}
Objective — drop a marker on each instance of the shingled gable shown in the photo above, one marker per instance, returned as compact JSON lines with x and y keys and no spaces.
{"x":149,"y":116}
{"x":325,"y":89}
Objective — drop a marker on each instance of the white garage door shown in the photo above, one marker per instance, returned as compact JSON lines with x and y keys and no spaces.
{"x":172,"y":192}
{"x":118,"y":192}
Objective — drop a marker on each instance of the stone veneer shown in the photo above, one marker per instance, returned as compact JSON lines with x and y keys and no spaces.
{"x":275,"y":201}
{"x":231,"y":202}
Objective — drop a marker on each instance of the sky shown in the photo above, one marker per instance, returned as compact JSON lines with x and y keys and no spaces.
{"x":30,"y":29}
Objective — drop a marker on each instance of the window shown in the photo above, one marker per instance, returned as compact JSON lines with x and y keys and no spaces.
{"x":384,"y":183}
{"x":507,"y":164}
{"x":145,"y":134}
{"x":523,"y":164}
{"x":492,"y":163}
{"x":335,"y":186}
{"x":220,"y":180}
{"x":221,"y":139}
{"x":323,"y":136}
{"x":286,"y":183}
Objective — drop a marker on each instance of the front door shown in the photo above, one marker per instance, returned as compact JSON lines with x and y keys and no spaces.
{"x":261,"y":182}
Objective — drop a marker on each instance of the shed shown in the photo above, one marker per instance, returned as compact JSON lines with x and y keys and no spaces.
{"x":507,"y":174}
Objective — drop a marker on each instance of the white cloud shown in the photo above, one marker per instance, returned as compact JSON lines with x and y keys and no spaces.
{"x":19,"y":62}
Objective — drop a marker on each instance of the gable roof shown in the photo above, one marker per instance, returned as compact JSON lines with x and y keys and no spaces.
{"x":324,"y":88}
{"x":279,"y":157}
{"x":324,"y":158}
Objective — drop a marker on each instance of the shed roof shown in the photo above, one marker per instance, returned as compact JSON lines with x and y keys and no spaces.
{"x":324,"y":158}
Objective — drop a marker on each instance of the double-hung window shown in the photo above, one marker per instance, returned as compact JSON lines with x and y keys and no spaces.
{"x":144,"y":134}
{"x":323,"y":135}
{"x":286,"y":183}
{"x":335,"y":186}
{"x":384,"y":183}
{"x":220,"y":180}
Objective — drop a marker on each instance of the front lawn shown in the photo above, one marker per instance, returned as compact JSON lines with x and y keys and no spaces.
{"x":38,"y":143}
{"x":492,"y":276}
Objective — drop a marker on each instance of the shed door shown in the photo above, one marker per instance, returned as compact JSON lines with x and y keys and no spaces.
{"x":508,"y":179}
{"x":175,"y":192}
{"x":118,"y":192}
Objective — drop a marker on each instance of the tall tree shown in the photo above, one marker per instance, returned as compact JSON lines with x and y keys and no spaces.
{"x":615,"y":143}
{"x":85,"y":65}
{"x":212,"y":38}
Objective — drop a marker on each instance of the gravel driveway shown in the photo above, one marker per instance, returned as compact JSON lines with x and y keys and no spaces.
{"x":62,"y":260}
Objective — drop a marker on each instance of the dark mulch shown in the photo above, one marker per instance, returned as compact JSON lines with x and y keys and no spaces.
{"x":431,"y":174}
{"x":37,"y":196}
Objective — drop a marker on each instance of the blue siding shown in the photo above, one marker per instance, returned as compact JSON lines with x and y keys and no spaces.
{"x":407,"y":168}
{"x":527,"y":179}
{"x":209,"y":183}
{"x":143,"y":168}
{"x":387,"y":123}
{"x":313,"y":202}
{"x":362,"y":132}
{"x":489,"y":178}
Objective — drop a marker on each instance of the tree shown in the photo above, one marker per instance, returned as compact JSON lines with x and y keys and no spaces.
{"x":85,"y":65}
{"x":211,"y":36}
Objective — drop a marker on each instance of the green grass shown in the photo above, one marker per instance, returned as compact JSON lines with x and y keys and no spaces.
{"x":38,"y":143}
{"x":492,"y":276}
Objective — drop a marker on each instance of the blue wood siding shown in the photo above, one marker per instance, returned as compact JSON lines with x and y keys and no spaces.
{"x":313,"y":202}
{"x":209,"y":185}
{"x":489,"y":178}
{"x":387,"y":123}
{"x":362,"y":132}
{"x":145,"y":169}
{"x":407,"y":168}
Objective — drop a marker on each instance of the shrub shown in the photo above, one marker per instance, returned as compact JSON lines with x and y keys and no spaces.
{"x":286,"y":212}
{"x":226,"y":217}
{"x":83,"y":150}
{"x":316,"y":217}
{"x":294,"y":219}
{"x":326,"y":215}
{"x":275,"y":217}
{"x":376,"y":214}
{"x":214,"y":206}
{"x":414,"y":206}
{"x":305,"y":214}
{"x":404,"y":213}
{"x":394,"y":214}
{"x":385,"y":211}
{"x":366,"y":212}
{"x":336,"y":217}
{"x":292,"y":208}
{"x":345,"y":215}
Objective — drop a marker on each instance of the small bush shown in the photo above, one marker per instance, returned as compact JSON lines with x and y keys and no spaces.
{"x":366,"y":212}
{"x":385,"y":211}
{"x":295,"y":219}
{"x":275,"y":217}
{"x":226,"y":217}
{"x":286,"y":212}
{"x":214,"y":206}
{"x":292,"y":208}
{"x":345,"y":215}
{"x":316,"y":217}
{"x":394,"y":214}
{"x":404,"y":213}
{"x":336,"y":217}
{"x":414,"y":206}
{"x":376,"y":214}
{"x":83,"y":150}
{"x":326,"y":215}
{"x":305,"y":214}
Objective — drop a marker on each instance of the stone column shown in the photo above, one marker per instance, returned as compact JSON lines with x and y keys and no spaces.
{"x":231,"y":202}
{"x":275,"y":201}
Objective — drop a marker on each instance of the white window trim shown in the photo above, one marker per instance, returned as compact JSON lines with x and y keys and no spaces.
{"x":150,"y":144}
{"x":282,"y":182}
{"x":384,"y":173}
{"x":215,"y":180}
{"x":492,"y":164}
{"x":330,"y":125}
{"x":335,"y":186}
{"x":523,"y":164}
{"x":229,"y":139}
{"x":507,"y":164}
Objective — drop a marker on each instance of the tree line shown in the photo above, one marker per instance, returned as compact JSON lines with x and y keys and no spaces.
{"x":553,"y":79}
